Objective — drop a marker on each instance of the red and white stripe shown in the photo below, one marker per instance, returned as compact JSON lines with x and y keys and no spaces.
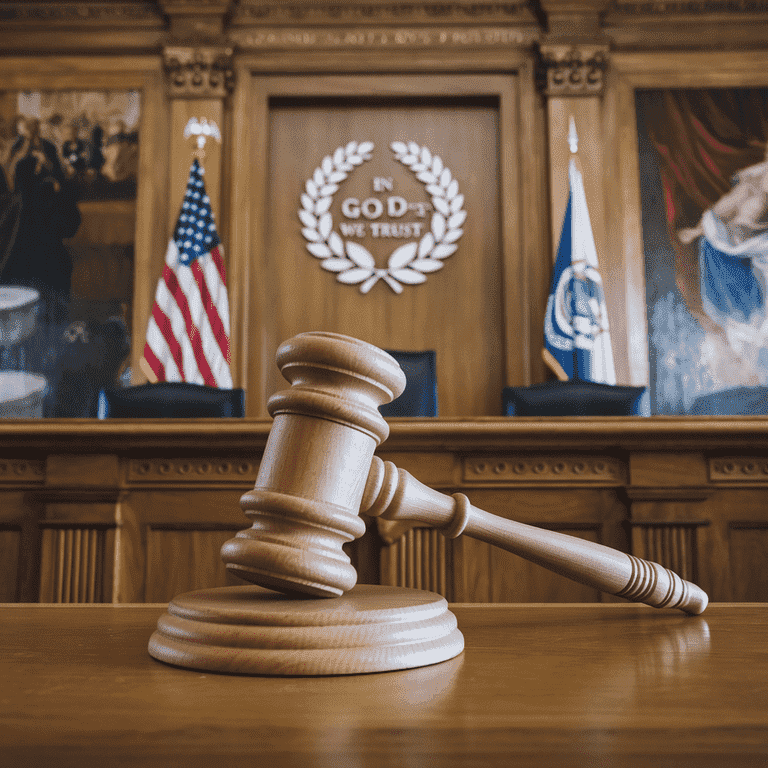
{"x":188,"y":331}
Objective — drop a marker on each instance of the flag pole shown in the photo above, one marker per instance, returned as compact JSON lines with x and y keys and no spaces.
{"x":147,"y":371}
{"x":573,"y":145}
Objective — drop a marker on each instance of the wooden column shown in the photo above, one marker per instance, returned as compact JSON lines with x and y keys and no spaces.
{"x":574,"y":58}
{"x":198,"y":66}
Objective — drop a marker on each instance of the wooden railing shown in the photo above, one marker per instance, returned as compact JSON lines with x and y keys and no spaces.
{"x":133,"y":511}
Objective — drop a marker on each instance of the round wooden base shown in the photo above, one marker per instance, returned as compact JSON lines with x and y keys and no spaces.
{"x":253,"y":631}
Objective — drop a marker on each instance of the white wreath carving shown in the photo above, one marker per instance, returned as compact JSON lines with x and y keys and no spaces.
{"x":410,"y":263}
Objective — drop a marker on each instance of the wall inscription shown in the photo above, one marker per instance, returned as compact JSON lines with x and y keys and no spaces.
{"x":426,"y":231}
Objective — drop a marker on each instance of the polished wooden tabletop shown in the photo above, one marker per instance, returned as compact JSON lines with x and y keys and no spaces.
{"x":537,"y":685}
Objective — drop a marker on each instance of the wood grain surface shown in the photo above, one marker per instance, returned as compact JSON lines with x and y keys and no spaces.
{"x":537,"y":685}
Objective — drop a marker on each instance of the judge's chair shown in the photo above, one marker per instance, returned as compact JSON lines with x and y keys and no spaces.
{"x":171,"y":400}
{"x":420,"y":395}
{"x":574,"y":398}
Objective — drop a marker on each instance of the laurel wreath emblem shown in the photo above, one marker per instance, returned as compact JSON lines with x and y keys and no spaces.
{"x":410,"y":263}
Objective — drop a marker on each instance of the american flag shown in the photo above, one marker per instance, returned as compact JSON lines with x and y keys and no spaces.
{"x":188,"y":331}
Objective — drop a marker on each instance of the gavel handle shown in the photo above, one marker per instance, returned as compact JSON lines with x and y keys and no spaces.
{"x":394,"y":494}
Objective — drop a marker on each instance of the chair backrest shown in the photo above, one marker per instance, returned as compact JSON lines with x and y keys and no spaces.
{"x":177,"y":400}
{"x":738,"y":401}
{"x":572,"y":398}
{"x":420,"y":395}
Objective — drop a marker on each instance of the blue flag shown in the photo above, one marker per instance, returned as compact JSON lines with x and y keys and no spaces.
{"x":577,"y":340}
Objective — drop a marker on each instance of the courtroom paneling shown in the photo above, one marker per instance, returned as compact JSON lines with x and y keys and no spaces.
{"x":297,"y":126}
{"x":184,"y":558}
{"x":76,"y":563}
{"x":486,"y":573}
{"x":672,"y":544}
{"x":748,"y":550}
{"x":147,"y":515}
{"x":421,"y":558}
{"x":174,"y":536}
{"x":19,"y":531}
{"x":483,"y":573}
{"x":10,"y":545}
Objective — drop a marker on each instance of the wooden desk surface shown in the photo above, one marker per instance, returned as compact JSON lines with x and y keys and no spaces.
{"x":538,"y":685}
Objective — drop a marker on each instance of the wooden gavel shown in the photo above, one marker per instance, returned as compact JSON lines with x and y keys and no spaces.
{"x":318,"y":472}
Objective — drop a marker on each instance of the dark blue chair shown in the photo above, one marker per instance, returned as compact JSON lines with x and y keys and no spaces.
{"x":420,"y":395}
{"x":738,"y":401}
{"x":171,"y":400}
{"x":572,"y":398}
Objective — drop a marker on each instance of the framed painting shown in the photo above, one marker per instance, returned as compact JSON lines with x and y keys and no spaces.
{"x":69,"y":201}
{"x":694,"y":179}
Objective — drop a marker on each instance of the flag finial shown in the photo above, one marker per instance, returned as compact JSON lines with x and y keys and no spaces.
{"x":201,"y":130}
{"x":573,"y":137}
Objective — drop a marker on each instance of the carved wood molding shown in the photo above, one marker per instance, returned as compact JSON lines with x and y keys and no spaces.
{"x":390,"y":38}
{"x":420,"y":558}
{"x":572,"y":69}
{"x":565,"y":469}
{"x":196,"y":7}
{"x":301,"y":12}
{"x":199,"y":72}
{"x":688,"y":7}
{"x":681,"y":494}
{"x":183,"y":471}
{"x":673,"y":544}
{"x":18,"y":471}
{"x":739,"y":469}
{"x":76,"y":562}
{"x":78,"y":14}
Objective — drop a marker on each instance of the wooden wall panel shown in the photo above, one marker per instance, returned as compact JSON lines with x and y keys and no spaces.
{"x":515,"y":580}
{"x":173,"y":535}
{"x":749,"y":561}
{"x":19,"y":530}
{"x":460,"y":310}
{"x":10,"y":557}
{"x":181,"y":560}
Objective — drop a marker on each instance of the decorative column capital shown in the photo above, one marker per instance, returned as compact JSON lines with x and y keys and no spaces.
{"x":572,"y":69}
{"x":199,"y":72}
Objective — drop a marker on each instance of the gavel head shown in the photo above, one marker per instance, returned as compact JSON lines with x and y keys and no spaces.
{"x":307,"y":496}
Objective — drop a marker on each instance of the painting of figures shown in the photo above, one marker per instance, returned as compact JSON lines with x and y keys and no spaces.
{"x":704,"y":195}
{"x":68,"y":175}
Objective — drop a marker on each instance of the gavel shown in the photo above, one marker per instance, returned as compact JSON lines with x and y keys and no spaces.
{"x":319,"y":472}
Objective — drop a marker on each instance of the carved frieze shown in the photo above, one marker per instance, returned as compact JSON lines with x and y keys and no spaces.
{"x":549,"y":469}
{"x":80,"y":13}
{"x":688,"y":7}
{"x":193,"y":470}
{"x":21,"y":471}
{"x":377,"y":12}
{"x":739,"y":469}
{"x":199,"y":72}
{"x":382,"y":24}
{"x":406,"y":38}
{"x":572,"y":70}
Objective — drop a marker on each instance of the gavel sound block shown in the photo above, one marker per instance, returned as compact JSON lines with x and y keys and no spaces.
{"x":317,"y":473}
